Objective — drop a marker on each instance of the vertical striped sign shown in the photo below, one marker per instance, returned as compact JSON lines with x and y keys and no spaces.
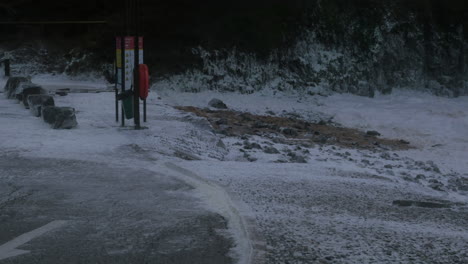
{"x":129,"y":59}
{"x":140,"y":47}
{"x":118,"y":61}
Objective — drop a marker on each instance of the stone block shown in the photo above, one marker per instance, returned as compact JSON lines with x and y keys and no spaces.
{"x":13,"y":84}
{"x":37,"y":101}
{"x":59,"y":117}
{"x":25,"y":90}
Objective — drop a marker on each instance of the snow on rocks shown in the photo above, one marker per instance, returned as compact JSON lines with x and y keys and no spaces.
{"x":13,"y":84}
{"x":36,"y":102}
{"x":59,"y":117}
{"x":216,"y":103}
{"x":26,"y":90}
{"x":36,"y":98}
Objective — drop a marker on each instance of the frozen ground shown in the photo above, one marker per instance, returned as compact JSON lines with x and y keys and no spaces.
{"x":341,"y":206}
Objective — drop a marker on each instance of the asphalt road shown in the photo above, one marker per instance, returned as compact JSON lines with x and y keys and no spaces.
{"x":66,"y":211}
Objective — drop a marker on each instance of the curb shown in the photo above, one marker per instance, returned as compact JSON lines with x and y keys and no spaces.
{"x":251,"y":242}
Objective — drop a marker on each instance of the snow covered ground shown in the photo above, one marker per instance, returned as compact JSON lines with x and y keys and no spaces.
{"x":341,"y":206}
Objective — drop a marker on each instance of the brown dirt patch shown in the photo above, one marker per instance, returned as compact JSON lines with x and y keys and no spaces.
{"x":290,"y":130}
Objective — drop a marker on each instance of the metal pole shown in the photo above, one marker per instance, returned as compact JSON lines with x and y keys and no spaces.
{"x":136,"y":78}
{"x":7,"y":67}
{"x":122,"y":45}
{"x":144,"y":110}
{"x":116,"y":88}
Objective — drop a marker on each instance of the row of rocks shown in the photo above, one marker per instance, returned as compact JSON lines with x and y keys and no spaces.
{"x":40,"y":103}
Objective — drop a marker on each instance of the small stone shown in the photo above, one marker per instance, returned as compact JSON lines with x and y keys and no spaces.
{"x":246,"y":117}
{"x":216,"y":103}
{"x":436,"y":185}
{"x":289,"y":132}
{"x":248,"y":145}
{"x":367,"y":162}
{"x":61,"y":93}
{"x":373,"y":133}
{"x":249,"y":158}
{"x":260,"y":125}
{"x":221,"y":121}
{"x":420,"y":177}
{"x":404,"y":142}
{"x":221,"y":144}
{"x":296,"y":158}
{"x":271,"y":150}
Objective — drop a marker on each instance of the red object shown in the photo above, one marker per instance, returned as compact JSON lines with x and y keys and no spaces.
{"x":144,"y":81}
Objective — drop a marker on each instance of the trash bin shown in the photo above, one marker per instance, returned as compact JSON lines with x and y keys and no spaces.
{"x":127,"y":103}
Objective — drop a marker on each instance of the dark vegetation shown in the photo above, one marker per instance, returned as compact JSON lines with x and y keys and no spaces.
{"x":385,"y":43}
{"x":292,"y":131}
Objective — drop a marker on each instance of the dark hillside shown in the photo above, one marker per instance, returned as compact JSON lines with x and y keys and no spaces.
{"x":384,"y":43}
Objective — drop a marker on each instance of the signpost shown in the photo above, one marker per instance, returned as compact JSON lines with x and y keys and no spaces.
{"x":128,"y":58}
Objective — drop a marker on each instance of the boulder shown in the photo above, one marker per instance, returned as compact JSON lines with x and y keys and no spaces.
{"x":13,"y":84}
{"x":373,"y":133}
{"x":216,"y":103}
{"x":59,"y":117}
{"x":37,"y":101}
{"x":25,"y":90}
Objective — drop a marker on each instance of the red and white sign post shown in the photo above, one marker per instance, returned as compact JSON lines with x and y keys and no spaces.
{"x":125,"y":68}
{"x":129,"y":56}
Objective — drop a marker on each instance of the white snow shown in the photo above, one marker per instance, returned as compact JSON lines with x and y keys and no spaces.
{"x":337,"y":208}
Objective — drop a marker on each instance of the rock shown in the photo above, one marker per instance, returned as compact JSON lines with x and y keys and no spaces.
{"x":246,"y":117}
{"x":13,"y":84}
{"x":294,"y":158}
{"x":420,"y":177}
{"x":260,"y":125}
{"x":373,"y":133}
{"x":221,"y":121}
{"x":436,"y":185}
{"x":367,"y":162}
{"x":37,"y":101}
{"x":386,"y":156}
{"x":216,"y":103}
{"x":61,"y":93}
{"x":186,"y":156}
{"x":28,"y":89}
{"x":248,"y":145}
{"x":289,"y":132}
{"x":59,"y":117}
{"x":433,"y":166}
{"x":321,"y":139}
{"x":249,"y":158}
{"x":221,"y":144}
{"x":271,"y":150}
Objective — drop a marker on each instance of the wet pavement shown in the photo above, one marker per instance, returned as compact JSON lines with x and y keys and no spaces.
{"x":66,"y":211}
